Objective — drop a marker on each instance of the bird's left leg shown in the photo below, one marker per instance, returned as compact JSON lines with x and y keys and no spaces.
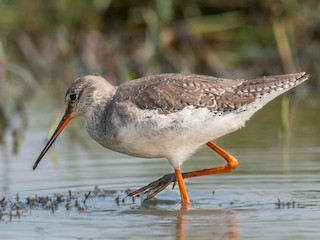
{"x":185,"y":202}
{"x":157,"y":186}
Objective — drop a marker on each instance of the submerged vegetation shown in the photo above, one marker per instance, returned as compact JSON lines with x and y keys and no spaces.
{"x":18,"y":207}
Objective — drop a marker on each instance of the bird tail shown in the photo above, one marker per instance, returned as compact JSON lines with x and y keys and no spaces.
{"x":261,"y":86}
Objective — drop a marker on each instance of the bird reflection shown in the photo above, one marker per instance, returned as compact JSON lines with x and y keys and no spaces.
{"x":211,"y":224}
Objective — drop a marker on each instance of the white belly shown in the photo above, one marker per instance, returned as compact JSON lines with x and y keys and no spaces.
{"x":174,"y":136}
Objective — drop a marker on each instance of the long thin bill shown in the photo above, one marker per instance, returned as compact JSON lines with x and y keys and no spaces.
{"x":63,"y":123}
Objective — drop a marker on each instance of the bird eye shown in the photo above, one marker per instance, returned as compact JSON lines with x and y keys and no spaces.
{"x":73,"y":97}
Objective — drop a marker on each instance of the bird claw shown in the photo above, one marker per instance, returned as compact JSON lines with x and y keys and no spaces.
{"x":153,"y":188}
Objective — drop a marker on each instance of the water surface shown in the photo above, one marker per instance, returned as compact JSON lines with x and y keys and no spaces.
{"x":274,"y":193}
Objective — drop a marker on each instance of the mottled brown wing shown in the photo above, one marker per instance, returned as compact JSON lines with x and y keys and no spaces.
{"x":172,"y":92}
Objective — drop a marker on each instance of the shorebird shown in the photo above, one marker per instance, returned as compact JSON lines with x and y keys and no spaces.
{"x":169,"y":116}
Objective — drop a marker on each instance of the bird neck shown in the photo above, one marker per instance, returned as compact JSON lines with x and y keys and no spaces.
{"x":97,"y":115}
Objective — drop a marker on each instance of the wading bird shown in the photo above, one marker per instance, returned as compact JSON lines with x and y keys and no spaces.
{"x":169,"y":116}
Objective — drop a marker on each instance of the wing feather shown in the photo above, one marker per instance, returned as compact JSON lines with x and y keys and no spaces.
{"x":169,"y":93}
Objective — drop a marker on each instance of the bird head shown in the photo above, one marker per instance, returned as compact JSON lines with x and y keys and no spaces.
{"x":80,"y":98}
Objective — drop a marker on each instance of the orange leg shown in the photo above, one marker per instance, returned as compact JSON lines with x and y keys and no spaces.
{"x":157,"y":186}
{"x":232,"y":164}
{"x":185,"y":202}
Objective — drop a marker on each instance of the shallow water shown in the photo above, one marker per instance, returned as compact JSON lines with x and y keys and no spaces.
{"x":274,"y":193}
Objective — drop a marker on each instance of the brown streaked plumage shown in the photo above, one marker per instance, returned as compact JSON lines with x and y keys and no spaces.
{"x":169,"y":115}
{"x":172,"y":92}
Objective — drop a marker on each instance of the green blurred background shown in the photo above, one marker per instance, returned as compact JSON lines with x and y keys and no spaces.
{"x":53,"y":42}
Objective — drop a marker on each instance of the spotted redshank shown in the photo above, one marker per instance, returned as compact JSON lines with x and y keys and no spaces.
{"x":169,"y":116}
